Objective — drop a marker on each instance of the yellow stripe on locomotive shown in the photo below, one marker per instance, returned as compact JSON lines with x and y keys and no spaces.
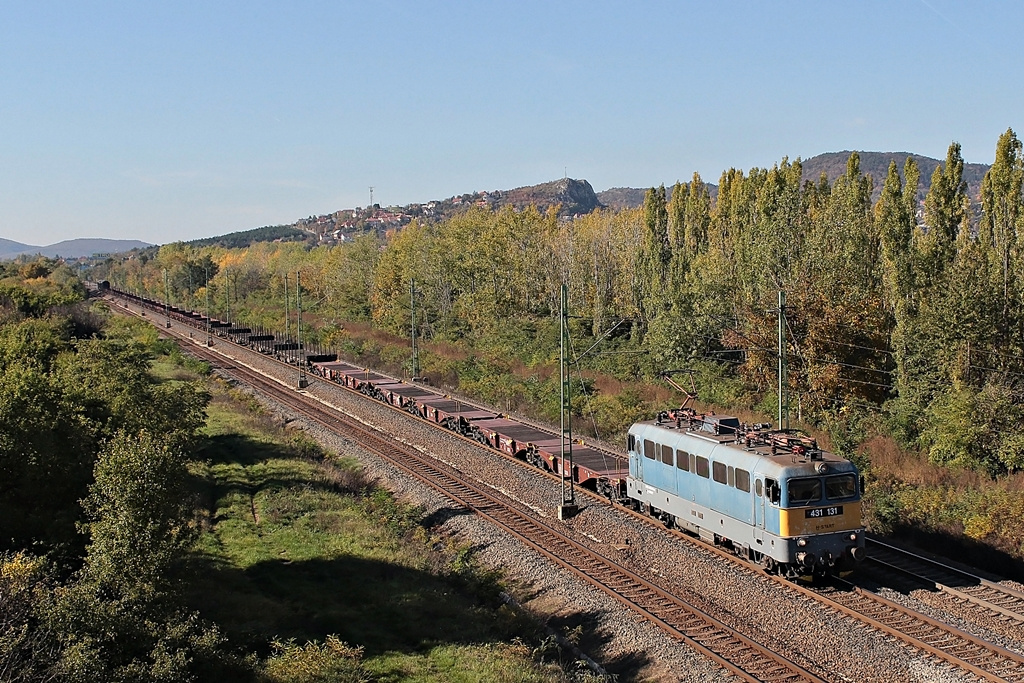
{"x":818,"y":520}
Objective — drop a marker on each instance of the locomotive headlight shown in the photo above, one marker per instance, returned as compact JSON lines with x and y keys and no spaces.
{"x":853,"y":537}
{"x":801,"y":542}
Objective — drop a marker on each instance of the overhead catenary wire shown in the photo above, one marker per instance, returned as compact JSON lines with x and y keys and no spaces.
{"x":854,"y":346}
{"x":822,"y":361}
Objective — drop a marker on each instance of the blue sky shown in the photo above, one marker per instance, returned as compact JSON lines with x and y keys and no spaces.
{"x":166,"y":121}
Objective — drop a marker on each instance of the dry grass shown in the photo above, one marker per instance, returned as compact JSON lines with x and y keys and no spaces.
{"x":888,"y":460}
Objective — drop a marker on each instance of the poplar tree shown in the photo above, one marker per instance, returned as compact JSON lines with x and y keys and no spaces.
{"x":896,"y":223}
{"x":944,"y":210}
{"x":655,"y":254}
{"x":896,"y":230}
{"x":677,"y":226}
{"x":842,"y":251}
{"x":1001,"y":196}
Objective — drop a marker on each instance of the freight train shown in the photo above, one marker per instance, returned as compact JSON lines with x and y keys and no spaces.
{"x":772,"y":496}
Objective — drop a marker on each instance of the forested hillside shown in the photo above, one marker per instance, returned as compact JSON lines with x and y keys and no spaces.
{"x":833,"y":165}
{"x":876,"y":164}
{"x":902,"y":330}
{"x":236,"y":240}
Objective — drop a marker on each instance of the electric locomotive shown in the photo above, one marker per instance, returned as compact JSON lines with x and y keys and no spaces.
{"x":774,"y":497}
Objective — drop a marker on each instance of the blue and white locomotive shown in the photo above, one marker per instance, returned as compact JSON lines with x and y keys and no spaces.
{"x":773,"y":496}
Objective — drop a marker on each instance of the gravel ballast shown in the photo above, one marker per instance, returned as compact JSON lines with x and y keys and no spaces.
{"x":828,"y":644}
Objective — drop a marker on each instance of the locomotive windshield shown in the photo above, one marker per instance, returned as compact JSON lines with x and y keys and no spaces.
{"x":803,"y":491}
{"x":842,"y":486}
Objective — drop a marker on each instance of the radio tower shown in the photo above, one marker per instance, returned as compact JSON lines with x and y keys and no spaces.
{"x":371,"y":197}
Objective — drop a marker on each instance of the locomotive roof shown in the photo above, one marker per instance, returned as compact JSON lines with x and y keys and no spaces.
{"x":731,"y":448}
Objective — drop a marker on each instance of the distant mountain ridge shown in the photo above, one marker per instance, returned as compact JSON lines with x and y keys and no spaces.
{"x":619,"y":198}
{"x":76,"y":248}
{"x":572,"y":196}
{"x":876,"y":165}
{"x":12,"y":247}
{"x":833,"y":165}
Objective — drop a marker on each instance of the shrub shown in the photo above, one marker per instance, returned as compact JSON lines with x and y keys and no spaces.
{"x":313,"y":662}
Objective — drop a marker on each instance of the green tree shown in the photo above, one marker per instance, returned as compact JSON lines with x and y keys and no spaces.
{"x":120,"y":620}
{"x":28,"y":649}
{"x":1001,"y":198}
{"x":655,"y":255}
{"x":46,"y":452}
{"x":945,"y":208}
{"x":896,"y":230}
{"x":139,"y":506}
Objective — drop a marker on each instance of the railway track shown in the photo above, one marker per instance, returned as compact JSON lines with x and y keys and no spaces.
{"x":957,"y":583}
{"x":963,"y":650}
{"x":981,"y":658}
{"x":722,"y":644}
{"x":719,"y":642}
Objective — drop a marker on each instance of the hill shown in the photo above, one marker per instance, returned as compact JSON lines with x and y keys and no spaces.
{"x":833,"y":165}
{"x":619,"y":198}
{"x":876,"y":165}
{"x":12,"y":247}
{"x":75,"y":248}
{"x":244,"y":238}
{"x":574,"y":196}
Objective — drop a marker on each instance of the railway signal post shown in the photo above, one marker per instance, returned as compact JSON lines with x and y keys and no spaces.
{"x":783,"y":422}
{"x":167,"y":299}
{"x":209,"y":335}
{"x":568,"y":506}
{"x":300,"y":358}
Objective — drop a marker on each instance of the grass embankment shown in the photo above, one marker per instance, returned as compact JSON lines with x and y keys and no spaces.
{"x":327,"y":577}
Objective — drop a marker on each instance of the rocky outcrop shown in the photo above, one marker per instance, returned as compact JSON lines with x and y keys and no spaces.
{"x":575,"y":197}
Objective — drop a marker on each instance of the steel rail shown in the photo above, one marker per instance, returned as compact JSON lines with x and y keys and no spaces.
{"x":954,"y":581}
{"x":706,"y":635}
{"x":718,"y":642}
{"x":985,"y":660}
{"x":956,"y":647}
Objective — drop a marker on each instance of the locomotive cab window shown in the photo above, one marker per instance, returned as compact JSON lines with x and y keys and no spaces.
{"x":683,"y":460}
{"x":842,"y":486}
{"x":649,"y":449}
{"x":666,"y":455}
{"x":772,"y":491}
{"x":803,"y":491}
{"x":632,"y":444}
{"x":703,"y":469}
